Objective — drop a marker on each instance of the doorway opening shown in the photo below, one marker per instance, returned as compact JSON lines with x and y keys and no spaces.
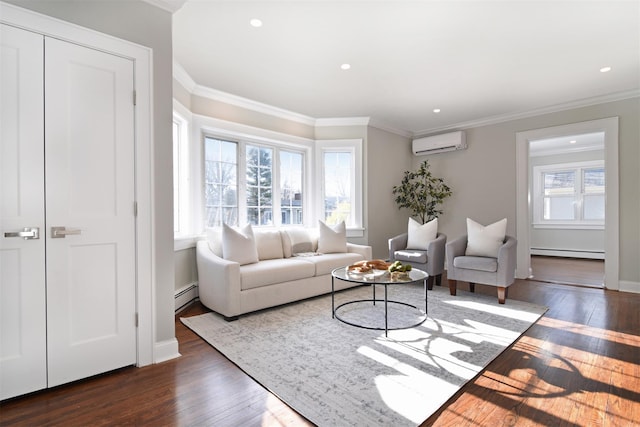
{"x":526,"y":216}
{"x":568,"y":193}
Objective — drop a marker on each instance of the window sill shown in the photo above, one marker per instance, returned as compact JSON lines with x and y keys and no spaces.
{"x":568,"y":226}
{"x":186,"y":242}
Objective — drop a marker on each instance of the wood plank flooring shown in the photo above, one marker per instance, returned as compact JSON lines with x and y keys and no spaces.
{"x":571,"y":271}
{"x":578,"y":366}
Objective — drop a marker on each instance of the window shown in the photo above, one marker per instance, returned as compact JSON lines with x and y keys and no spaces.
{"x":338,"y":166}
{"x":259,"y":184}
{"x":220,"y":182}
{"x":263,"y":186}
{"x":569,"y":195}
{"x":340,"y":183}
{"x":291,"y":173}
{"x":180,"y":176}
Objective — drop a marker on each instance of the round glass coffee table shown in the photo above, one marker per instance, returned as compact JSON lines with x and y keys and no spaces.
{"x":378,"y":277}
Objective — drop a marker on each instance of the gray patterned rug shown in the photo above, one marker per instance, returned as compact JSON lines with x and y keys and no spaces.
{"x":335,"y":374}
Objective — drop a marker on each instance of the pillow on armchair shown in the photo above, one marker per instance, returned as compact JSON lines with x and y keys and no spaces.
{"x":483,"y":240}
{"x":419,"y":235}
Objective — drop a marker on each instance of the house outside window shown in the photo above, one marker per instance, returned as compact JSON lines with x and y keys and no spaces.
{"x":291,"y":185}
{"x":570,"y":195}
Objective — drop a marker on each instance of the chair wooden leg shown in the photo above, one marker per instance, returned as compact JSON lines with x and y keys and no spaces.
{"x":439,"y":280}
{"x":452,"y":287}
{"x":472,"y":287}
{"x":502,"y":294}
{"x":430,"y":281}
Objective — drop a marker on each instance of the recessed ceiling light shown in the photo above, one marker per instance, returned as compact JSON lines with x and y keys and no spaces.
{"x":255,"y":23}
{"x":573,"y":141}
{"x":345,"y":66}
{"x":436,"y":110}
{"x":605,"y":69}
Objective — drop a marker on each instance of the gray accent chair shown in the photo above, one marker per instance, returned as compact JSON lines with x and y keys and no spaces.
{"x":499,"y":272}
{"x":431,"y":261}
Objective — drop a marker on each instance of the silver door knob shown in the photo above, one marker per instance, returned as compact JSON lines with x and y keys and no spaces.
{"x":27,"y":233}
{"x":62,"y":232}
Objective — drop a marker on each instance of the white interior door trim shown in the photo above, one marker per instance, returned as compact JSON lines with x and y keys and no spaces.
{"x":142,"y":58}
{"x":523,"y":208}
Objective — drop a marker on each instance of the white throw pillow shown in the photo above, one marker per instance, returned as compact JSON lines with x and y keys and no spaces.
{"x":239,"y":246}
{"x":485,"y":240}
{"x":419,"y":235}
{"x":332,"y":239}
{"x":269,"y":244}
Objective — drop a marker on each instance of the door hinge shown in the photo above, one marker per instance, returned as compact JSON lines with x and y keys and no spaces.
{"x":136,"y":320}
{"x":135,"y":98}
{"x":135,"y":209}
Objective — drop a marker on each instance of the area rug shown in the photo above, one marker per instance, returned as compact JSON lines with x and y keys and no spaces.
{"x":335,"y":374}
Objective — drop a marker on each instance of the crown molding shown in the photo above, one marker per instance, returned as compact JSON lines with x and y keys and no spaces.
{"x":343,"y":121}
{"x":169,"y":5}
{"x":185,"y":80}
{"x":618,"y":96}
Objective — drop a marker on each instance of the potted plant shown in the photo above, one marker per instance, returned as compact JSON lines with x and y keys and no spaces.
{"x":421,"y":193}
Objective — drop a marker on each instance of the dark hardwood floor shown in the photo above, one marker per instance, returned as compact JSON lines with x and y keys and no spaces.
{"x":578,"y":366}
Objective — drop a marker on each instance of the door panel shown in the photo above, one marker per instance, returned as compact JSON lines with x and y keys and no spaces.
{"x":22,"y":262}
{"x":90,"y":191}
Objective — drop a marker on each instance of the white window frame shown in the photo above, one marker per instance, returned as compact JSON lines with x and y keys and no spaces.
{"x":538,"y":196}
{"x":354,"y":146}
{"x":184,"y":233}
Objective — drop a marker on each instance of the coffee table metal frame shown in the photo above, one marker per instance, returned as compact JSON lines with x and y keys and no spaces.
{"x":415,"y":275}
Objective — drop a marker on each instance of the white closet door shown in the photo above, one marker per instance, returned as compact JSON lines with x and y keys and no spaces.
{"x":22,"y":261}
{"x":89,"y":140}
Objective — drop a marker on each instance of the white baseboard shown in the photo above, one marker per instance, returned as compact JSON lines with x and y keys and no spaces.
{"x":567,"y":253}
{"x":165,"y":350}
{"x":185,"y":295}
{"x":628,"y":286}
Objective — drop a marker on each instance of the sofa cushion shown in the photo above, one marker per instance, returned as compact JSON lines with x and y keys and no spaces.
{"x":214,"y":238}
{"x":419,"y":235}
{"x":485,"y":240}
{"x":239,"y":245}
{"x":326,"y":263}
{"x":269,"y":244}
{"x":332,"y":239}
{"x":268,"y":272}
{"x":297,"y":240}
{"x":411,"y":256}
{"x":476,"y":263}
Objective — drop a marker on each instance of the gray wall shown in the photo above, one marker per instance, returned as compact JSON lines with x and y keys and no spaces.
{"x":149,"y":26}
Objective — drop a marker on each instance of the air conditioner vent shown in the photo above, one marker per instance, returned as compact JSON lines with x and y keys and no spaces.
{"x":439,"y":143}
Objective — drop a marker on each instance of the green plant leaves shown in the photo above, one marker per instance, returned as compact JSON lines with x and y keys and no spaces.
{"x":421,"y":193}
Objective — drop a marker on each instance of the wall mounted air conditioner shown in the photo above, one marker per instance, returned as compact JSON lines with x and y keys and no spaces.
{"x":439,"y":143}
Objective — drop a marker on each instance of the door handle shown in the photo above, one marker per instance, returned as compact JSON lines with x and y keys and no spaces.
{"x":62,"y":232}
{"x":27,"y":233}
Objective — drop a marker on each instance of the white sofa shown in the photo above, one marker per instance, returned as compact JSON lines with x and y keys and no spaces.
{"x":279,"y":277}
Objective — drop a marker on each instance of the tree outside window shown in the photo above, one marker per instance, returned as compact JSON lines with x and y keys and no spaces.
{"x":259,"y":182}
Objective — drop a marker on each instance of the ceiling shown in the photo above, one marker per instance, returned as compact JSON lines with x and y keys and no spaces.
{"x":477,"y":61}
